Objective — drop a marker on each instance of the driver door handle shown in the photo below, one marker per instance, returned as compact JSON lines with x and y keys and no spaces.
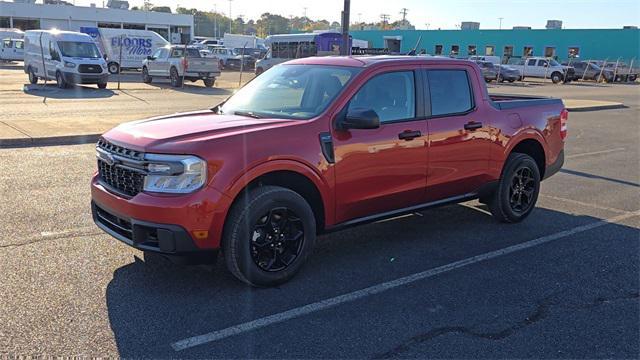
{"x":472,"y":125}
{"x":409,"y":135}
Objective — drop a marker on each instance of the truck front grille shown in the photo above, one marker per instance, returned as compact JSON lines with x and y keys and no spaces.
{"x":89,"y":69}
{"x":122,"y":179}
{"x":122,"y":170}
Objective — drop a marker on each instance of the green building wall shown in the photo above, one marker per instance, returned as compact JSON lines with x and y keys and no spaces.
{"x":593,"y":43}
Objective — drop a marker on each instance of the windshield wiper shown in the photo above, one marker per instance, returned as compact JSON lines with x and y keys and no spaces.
{"x":250,"y":114}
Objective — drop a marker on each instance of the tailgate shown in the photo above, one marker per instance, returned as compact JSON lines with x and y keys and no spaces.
{"x":202,"y":65}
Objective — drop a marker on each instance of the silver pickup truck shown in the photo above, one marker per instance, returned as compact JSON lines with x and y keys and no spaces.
{"x":172,"y":62}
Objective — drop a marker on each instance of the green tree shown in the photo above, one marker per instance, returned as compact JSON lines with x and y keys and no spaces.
{"x":164,"y":9}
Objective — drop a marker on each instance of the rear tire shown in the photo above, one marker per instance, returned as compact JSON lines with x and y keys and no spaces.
{"x":102,"y":85}
{"x":517,"y":191}
{"x":176,"y":80}
{"x":511,"y":80}
{"x":221,"y":65}
{"x":268,"y":236}
{"x":33,"y":79}
{"x":500,"y":78}
{"x":114,"y":68}
{"x":209,"y":82}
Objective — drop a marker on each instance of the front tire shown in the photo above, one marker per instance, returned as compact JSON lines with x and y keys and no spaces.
{"x":176,"y":80}
{"x":518,"y":189}
{"x":33,"y":79}
{"x":268,"y":236}
{"x":60,"y":81}
{"x":556,"y":78}
{"x":146,"y":78}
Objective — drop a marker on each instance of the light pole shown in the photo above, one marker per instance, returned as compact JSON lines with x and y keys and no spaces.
{"x":230,"y":18}
{"x":215,"y":20}
{"x":500,"y":18}
{"x":345,"y":49}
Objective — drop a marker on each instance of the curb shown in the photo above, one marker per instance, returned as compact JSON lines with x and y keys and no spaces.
{"x":49,"y":141}
{"x":596,"y":108}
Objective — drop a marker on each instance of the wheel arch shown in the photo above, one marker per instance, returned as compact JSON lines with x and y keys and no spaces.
{"x":533,"y":147}
{"x":289,"y":174}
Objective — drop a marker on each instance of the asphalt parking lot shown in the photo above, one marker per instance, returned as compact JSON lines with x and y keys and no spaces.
{"x":444,"y":283}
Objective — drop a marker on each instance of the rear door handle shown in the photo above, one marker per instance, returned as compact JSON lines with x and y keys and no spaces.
{"x":472,"y":125}
{"x":409,"y":135}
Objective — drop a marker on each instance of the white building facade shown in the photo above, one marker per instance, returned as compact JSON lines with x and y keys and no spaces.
{"x":177,"y":28}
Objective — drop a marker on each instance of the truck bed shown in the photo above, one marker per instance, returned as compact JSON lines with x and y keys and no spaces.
{"x":506,"y":102}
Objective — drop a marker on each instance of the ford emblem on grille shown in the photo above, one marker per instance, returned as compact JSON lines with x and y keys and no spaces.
{"x":107,"y":158}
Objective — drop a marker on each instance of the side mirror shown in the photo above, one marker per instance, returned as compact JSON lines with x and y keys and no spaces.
{"x":150,"y":58}
{"x":359,"y":118}
{"x":105,"y":57}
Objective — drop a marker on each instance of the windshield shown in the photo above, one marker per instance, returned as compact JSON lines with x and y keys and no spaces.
{"x":290,"y":92}
{"x":554,"y":63}
{"x":79,"y":49}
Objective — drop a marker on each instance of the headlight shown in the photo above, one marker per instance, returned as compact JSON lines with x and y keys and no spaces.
{"x":69,"y":64}
{"x":177,"y":174}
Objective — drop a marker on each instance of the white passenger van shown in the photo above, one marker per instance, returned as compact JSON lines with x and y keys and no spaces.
{"x":66,"y":57}
{"x":11,"y":50}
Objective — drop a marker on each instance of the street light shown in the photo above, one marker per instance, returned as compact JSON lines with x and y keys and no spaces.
{"x":230,"y":18}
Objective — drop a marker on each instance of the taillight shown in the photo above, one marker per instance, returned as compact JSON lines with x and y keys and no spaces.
{"x":564,"y":117}
{"x":185,"y":64}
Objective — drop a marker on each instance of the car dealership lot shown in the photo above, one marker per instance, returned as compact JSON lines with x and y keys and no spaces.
{"x":562,"y":284}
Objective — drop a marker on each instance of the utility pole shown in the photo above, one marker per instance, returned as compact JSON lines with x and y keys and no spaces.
{"x":385,"y":19}
{"x":345,"y":49}
{"x":500,"y":18}
{"x":215,"y":21}
{"x":230,"y":18}
{"x":404,"y":12}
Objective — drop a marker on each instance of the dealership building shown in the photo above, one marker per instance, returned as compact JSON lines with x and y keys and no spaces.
{"x":177,"y":28}
{"x":586,"y":44}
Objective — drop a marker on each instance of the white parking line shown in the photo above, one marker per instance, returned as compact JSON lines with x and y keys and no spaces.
{"x":595,"y":153}
{"x":376,"y":289}
{"x":576,"y":202}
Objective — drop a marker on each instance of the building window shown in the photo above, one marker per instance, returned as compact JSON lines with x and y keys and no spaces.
{"x":549,"y":51}
{"x":471,"y":50}
{"x":489,"y":50}
{"x":26,"y":24}
{"x":109,"y":25}
{"x":574,"y":52}
{"x":438,"y":50}
{"x":5,"y":22}
{"x":508,"y":51}
{"x":133,"y":26}
{"x":455,"y":50}
{"x":527,"y":51}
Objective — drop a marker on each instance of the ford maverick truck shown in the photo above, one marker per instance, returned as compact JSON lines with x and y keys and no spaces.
{"x":316,"y":145}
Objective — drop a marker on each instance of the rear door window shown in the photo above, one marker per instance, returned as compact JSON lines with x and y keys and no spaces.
{"x":450,"y":92}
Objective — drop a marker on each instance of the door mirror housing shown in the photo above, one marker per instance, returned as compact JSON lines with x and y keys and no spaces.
{"x":150,"y":58}
{"x":105,"y":57}
{"x":359,"y":118}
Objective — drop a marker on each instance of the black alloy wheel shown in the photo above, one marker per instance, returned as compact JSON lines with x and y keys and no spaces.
{"x":522,"y":188}
{"x":277,"y":239}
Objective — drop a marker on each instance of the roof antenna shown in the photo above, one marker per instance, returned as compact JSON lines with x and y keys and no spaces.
{"x":413,"y":52}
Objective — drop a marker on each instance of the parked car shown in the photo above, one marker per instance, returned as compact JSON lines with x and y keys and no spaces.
{"x":585,"y":70}
{"x":320,"y":144}
{"x":489,"y":71}
{"x":492,"y":59}
{"x":221,"y":53}
{"x":507,"y":73}
{"x":539,"y":67}
{"x":172,"y":62}
{"x":64,"y":56}
{"x":12,"y":50}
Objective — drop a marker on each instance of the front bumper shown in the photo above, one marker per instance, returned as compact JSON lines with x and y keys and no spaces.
{"x":73,"y":78}
{"x":162,"y":223}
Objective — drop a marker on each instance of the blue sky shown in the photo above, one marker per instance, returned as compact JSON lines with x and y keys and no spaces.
{"x":438,"y":14}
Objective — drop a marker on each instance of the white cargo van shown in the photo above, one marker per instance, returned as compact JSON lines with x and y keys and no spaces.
{"x":64,"y":56}
{"x":11,"y":33}
{"x":11,"y":50}
{"x":136,"y":46}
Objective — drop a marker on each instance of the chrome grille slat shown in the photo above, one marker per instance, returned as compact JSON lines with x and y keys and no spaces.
{"x":123,"y":179}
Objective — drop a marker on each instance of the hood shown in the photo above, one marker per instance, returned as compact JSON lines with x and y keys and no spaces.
{"x":175,"y":133}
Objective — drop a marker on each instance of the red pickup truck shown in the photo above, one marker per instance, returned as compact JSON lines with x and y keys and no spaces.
{"x":316,"y":145}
